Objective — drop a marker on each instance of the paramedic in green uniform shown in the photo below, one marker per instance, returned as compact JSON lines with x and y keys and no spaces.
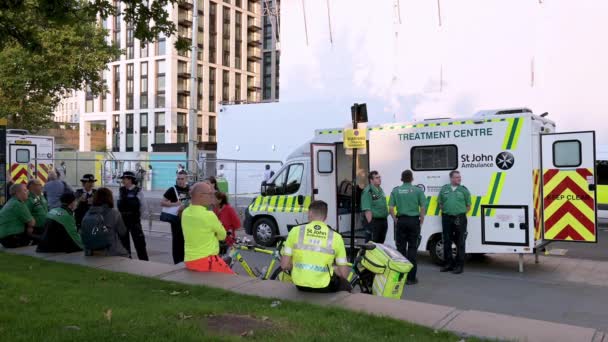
{"x":373,"y":204}
{"x":410,"y":206}
{"x":455,"y":202}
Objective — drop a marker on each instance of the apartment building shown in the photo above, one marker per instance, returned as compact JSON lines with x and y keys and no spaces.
{"x":67,"y":111}
{"x":271,"y":50}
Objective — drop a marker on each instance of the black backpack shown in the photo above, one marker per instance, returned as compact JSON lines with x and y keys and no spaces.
{"x":94,"y":232}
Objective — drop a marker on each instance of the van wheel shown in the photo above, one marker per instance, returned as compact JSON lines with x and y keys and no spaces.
{"x":436,"y":250}
{"x":264,"y":232}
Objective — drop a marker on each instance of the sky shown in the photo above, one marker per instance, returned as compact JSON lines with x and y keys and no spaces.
{"x":547,"y":55}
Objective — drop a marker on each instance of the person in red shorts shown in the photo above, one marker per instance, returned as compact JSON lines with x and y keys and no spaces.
{"x":202,"y":232}
{"x":227,"y":216}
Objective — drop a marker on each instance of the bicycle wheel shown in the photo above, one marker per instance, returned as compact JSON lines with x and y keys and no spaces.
{"x":275,"y":273}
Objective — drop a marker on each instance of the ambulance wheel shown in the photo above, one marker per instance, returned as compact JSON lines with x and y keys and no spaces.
{"x":435,"y":248}
{"x":264,"y":231}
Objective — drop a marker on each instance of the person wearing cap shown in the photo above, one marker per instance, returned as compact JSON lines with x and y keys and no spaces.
{"x":16,"y":221}
{"x":37,"y":204}
{"x":84,"y":197}
{"x":131,"y":205}
{"x":60,"y":235}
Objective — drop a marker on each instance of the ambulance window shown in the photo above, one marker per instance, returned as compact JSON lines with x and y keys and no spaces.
{"x":22,"y":156}
{"x":567,"y":153}
{"x":294,"y":179}
{"x":325,"y":162}
{"x":434,"y":158}
{"x":602,"y":172}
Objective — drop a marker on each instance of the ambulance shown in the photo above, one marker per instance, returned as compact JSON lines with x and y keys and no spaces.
{"x":28,"y":156}
{"x":530,"y":185}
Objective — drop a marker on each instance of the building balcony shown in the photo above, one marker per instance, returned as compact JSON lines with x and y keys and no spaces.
{"x":183,"y":74}
{"x":183,"y":92}
{"x":185,"y":4}
{"x":254,"y":40}
{"x":254,"y":25}
{"x":253,"y":86}
{"x":184,"y":20}
{"x":254,"y":54}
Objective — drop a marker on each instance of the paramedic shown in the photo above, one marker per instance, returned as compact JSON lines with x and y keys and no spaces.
{"x":373,"y":204}
{"x":203,"y":232}
{"x":455,"y":202}
{"x":131,"y":206}
{"x":16,"y":221}
{"x":310,"y":252}
{"x":410,"y":205}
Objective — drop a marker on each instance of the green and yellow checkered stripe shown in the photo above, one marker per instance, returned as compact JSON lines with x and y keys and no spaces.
{"x":280,"y":204}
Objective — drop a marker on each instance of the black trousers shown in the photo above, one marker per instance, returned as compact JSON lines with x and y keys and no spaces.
{"x":408,"y":239}
{"x":17,"y":240}
{"x":177,"y":241}
{"x":454,"y":230}
{"x":136,"y":231}
{"x":376,"y":230}
{"x":336,"y":284}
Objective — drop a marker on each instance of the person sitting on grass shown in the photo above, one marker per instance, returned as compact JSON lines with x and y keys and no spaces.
{"x":60,"y":234}
{"x":310,"y":252}
{"x":203,"y":232}
{"x":16,"y":221}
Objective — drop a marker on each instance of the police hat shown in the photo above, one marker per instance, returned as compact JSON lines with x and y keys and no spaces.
{"x":128,"y":174}
{"x":88,"y":178}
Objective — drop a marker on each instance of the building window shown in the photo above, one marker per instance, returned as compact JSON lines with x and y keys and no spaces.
{"x":130,"y":86}
{"x":116,"y":90}
{"x":143,"y":132}
{"x":226,"y":37}
{"x":238,"y":39}
{"x":267,"y":31}
{"x":183,"y":84}
{"x":212,"y":32}
{"x":276,"y":74}
{"x":161,"y":46}
{"x":182,"y":128}
{"x":252,"y":89}
{"x":267,"y":76}
{"x":117,"y":22}
{"x":130,"y":42}
{"x":159,"y":128}
{"x":160,"y":84}
{"x":225,"y":85}
{"x":199,"y":128}
{"x":116,"y":133}
{"x":89,"y":100}
{"x":237,"y":87}
{"x":102,"y":103}
{"x":237,"y":3}
{"x":143,"y":85}
{"x":144,"y":51}
{"x":212,"y":90}
{"x":212,"y":129}
{"x":129,"y":129}
{"x":199,"y":88}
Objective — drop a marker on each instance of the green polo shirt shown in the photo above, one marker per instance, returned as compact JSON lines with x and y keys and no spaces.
{"x":38,"y":207}
{"x":454,"y":201}
{"x":13,"y":217}
{"x":408,"y":199}
{"x":374,"y":200}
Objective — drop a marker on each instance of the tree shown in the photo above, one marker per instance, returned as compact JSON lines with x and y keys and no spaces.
{"x":50,"y":47}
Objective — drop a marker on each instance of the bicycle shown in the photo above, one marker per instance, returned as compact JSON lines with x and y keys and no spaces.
{"x":359,"y":275}
{"x":244,"y":244}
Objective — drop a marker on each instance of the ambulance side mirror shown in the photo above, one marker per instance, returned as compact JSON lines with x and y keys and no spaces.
{"x":300,"y":200}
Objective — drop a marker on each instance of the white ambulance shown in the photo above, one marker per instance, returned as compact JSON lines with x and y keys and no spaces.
{"x":529,"y":184}
{"x":28,"y":156}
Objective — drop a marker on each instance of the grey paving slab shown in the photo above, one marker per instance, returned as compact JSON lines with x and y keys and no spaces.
{"x":142,"y":268}
{"x":416,"y":312}
{"x":491,"y":325}
{"x":30,"y":251}
{"x":92,"y":261}
{"x":279,"y":290}
{"x":224,"y":281}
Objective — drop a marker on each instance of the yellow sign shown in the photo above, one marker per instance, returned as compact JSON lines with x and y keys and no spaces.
{"x":23,"y":142}
{"x":355,"y":138}
{"x":3,"y":122}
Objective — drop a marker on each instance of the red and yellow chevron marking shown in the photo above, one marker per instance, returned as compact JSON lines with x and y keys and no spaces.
{"x":19,"y":173}
{"x":43,"y":173}
{"x":569,"y":206}
{"x":537,"y":204}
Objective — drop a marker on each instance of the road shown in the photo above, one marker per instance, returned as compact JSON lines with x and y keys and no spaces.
{"x":566,"y":289}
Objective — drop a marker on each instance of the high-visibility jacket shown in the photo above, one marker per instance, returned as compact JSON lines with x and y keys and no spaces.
{"x":314,"y":247}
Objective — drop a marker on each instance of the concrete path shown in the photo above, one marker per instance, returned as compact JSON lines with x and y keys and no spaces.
{"x":462,"y":322}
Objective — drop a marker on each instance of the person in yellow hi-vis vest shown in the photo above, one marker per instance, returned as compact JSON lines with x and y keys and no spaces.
{"x":310,"y":252}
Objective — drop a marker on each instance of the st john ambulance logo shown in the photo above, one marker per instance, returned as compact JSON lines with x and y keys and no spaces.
{"x":505,"y":160}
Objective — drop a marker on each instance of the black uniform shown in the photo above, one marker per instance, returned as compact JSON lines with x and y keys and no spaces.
{"x":83,"y":206}
{"x":129,"y":206}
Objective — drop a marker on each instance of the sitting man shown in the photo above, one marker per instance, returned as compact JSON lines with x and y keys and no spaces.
{"x":203,"y":232}
{"x":60,"y":234}
{"x":310,"y":252}
{"x":16,"y":221}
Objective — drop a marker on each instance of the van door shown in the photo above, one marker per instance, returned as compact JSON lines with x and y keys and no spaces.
{"x":324,"y":187}
{"x":22,"y":161}
{"x":568,"y":187}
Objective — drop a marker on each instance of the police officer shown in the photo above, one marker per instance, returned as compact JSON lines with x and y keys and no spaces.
{"x":310,"y":252}
{"x":455,"y":202}
{"x":410,"y":203}
{"x":131,"y":206}
{"x":84,"y":197}
{"x":373,"y":204}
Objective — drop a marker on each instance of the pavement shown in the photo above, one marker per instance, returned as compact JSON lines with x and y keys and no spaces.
{"x":440,"y":317}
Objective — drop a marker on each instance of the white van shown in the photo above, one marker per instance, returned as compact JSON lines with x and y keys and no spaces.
{"x":529,"y":184}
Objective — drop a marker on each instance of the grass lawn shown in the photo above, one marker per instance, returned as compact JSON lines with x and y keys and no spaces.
{"x":47,"y":301}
